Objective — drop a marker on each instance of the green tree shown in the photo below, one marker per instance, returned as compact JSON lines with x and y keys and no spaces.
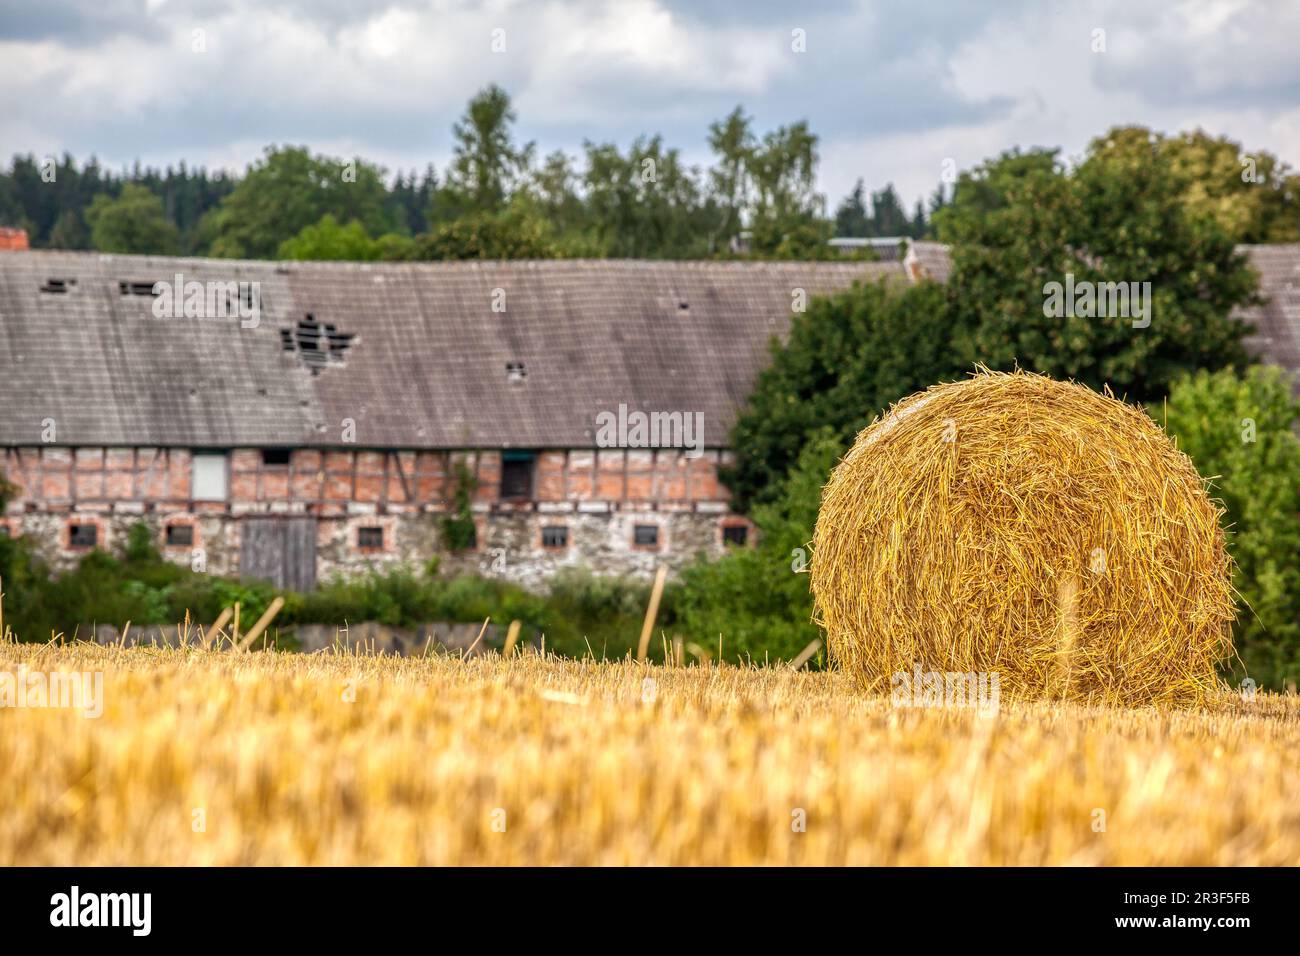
{"x":290,"y":189}
{"x":1240,"y":431}
{"x":395,"y":247}
{"x":645,"y":203}
{"x":851,"y":216}
{"x":328,"y":239}
{"x":886,"y":217}
{"x":553,"y":188}
{"x":134,"y":222}
{"x":919,"y":226}
{"x":487,"y":165}
{"x":846,"y":359}
{"x":783,"y":172}
{"x":512,"y":234}
{"x":1023,"y":228}
{"x":69,"y":231}
{"x":887,"y":214}
{"x":807,"y":240}
{"x":732,"y":142}
{"x":757,"y":599}
{"x":1253,"y":196}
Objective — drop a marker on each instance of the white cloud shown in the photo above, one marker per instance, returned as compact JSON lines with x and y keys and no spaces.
{"x":892,"y":90}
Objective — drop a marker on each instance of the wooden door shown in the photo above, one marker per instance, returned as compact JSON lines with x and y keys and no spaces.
{"x":281,"y":550}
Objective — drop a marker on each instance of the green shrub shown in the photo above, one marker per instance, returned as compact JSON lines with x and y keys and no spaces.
{"x":23,"y":578}
{"x":457,"y":526}
{"x":756,"y":601}
{"x":1240,"y":430}
{"x":602,"y":614}
{"x":582,"y":611}
{"x":397,"y":598}
{"x":846,"y":359}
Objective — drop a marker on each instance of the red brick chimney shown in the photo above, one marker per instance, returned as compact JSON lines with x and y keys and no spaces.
{"x":12,"y":240}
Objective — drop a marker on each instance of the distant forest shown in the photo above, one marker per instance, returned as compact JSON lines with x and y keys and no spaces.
{"x":495,"y":199}
{"x":498,"y":199}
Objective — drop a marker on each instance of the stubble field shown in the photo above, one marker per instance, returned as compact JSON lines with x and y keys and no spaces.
{"x":219,"y":757}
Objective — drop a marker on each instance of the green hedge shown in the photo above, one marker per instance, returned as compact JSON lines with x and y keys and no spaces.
{"x":580,"y":611}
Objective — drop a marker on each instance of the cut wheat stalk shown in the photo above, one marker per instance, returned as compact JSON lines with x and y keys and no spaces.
{"x":651,"y":612}
{"x":261,"y":624}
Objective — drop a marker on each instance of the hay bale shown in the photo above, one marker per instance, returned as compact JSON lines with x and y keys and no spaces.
{"x":1016,"y":525}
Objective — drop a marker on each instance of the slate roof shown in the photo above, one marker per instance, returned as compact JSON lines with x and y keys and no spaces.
{"x":1277,"y":322}
{"x":928,"y":260}
{"x":426,"y":364}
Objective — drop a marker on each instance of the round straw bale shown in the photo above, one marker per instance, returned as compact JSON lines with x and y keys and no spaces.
{"x":1014,"y":525}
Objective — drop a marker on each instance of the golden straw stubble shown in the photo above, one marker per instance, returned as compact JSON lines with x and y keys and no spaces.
{"x":1015,"y":525}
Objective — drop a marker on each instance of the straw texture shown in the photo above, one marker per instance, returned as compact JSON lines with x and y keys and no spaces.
{"x":1035,"y":529}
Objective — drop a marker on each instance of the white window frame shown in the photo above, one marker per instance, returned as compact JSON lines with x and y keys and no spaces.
{"x":211,"y":480}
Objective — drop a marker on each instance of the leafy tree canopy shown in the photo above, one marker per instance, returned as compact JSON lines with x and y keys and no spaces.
{"x":645,"y":203}
{"x":1163,"y":276}
{"x":134,"y":222}
{"x":1253,"y":196}
{"x":329,"y":239}
{"x":845,"y":361}
{"x":512,"y":234}
{"x":487,"y":165}
{"x":290,"y":189}
{"x":1118,"y":221}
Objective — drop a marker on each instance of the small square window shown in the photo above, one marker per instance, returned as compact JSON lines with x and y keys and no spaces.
{"x":275,"y":456}
{"x":737,"y":534}
{"x":516,"y":478}
{"x":646,"y":536}
{"x":83,"y":535}
{"x":370,"y":538}
{"x":180,"y":535}
{"x":555,"y":538}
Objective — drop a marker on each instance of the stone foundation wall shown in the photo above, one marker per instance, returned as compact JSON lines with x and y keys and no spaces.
{"x":378,"y":508}
{"x":509,"y":545}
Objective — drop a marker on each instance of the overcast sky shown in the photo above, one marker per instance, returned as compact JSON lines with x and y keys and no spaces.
{"x":893,"y":89}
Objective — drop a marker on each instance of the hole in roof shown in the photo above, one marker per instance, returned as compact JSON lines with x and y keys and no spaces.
{"x":136,"y":288}
{"x":515,"y":372}
{"x":58,"y":286}
{"x":683,"y":306}
{"x":317,"y":344}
